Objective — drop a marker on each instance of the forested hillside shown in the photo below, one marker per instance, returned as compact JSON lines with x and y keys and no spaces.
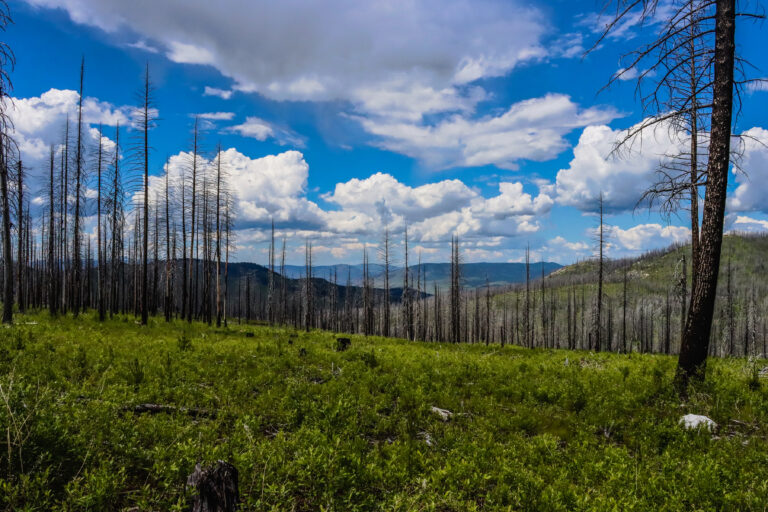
{"x":475,"y":275}
{"x":645,"y":299}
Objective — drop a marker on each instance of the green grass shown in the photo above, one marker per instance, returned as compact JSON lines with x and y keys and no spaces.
{"x":310,"y":428}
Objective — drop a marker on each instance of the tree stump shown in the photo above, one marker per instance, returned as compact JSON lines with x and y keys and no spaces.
{"x":215,"y":488}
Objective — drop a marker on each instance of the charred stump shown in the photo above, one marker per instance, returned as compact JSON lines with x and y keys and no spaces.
{"x":215,"y":488}
{"x":342,"y":344}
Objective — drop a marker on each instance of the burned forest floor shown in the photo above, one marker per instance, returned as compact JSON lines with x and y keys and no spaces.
{"x":114,"y":416}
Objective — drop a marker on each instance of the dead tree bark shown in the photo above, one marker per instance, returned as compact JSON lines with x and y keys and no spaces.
{"x":7,"y":248}
{"x":527,"y":312}
{"x":52,"y":297}
{"x":20,"y":232}
{"x":76,"y":299}
{"x":215,"y":488}
{"x":695,"y":345}
{"x":597,"y":327}
{"x":99,"y":234}
{"x":407,"y":295}
{"x":218,"y":241}
{"x":455,"y":292}
{"x":145,"y":120}
{"x":167,"y":303}
{"x":115,"y":266}
{"x":386,"y":258}
{"x":192,"y":264}
{"x":271,"y":278}
{"x":624,"y":311}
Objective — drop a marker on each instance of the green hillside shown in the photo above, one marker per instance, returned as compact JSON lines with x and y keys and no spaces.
{"x":651,"y":320}
{"x":656,"y":270}
{"x":473,"y":274}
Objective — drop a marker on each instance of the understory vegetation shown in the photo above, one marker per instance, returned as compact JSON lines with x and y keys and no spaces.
{"x":310,"y":427}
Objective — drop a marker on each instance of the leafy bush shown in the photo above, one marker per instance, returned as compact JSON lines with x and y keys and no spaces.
{"x":134,"y":373}
{"x":184,"y":342}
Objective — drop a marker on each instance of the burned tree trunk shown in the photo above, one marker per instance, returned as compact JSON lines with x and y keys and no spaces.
{"x":695,"y":343}
{"x":215,"y":488}
{"x":144,"y":127}
{"x":52,"y":302}
{"x":99,"y":236}
{"x":7,"y":254}
{"x":76,"y":285}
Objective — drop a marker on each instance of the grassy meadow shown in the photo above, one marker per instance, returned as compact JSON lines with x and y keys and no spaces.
{"x":312,"y":428}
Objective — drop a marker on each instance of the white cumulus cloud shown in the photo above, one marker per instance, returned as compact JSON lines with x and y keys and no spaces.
{"x":39,"y":122}
{"x":262,"y":130}
{"x":217,"y":116}
{"x":389,"y":64}
{"x":224,"y":94}
{"x":621,"y":177}
{"x":644,"y":237}
{"x":751,"y":192}
{"x":532,"y":129}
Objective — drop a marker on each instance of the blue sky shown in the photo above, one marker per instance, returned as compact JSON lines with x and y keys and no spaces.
{"x":476,"y":117}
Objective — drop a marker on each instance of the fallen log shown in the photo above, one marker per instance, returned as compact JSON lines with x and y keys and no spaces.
{"x":170,"y":409}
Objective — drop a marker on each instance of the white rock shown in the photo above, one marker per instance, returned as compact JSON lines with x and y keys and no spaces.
{"x":427,"y":438}
{"x":444,"y":414}
{"x":696,"y":422}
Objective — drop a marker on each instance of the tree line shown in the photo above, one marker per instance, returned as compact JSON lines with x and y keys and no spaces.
{"x":615,"y":305}
{"x":163,"y":248}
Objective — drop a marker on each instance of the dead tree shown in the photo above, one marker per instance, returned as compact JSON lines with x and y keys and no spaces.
{"x":218,"y":243}
{"x":52,"y":302}
{"x":7,"y":62}
{"x":367,"y":297}
{"x":76,"y":285}
{"x":271,"y":277}
{"x":20,"y":235}
{"x":155,"y":254}
{"x":169,"y":257}
{"x":116,"y":266}
{"x":145,"y":119}
{"x":229,"y":240}
{"x":455,"y":291}
{"x":308,"y":291}
{"x":624,"y":310}
{"x":487,"y":311}
{"x":192,"y":282}
{"x":283,"y":287}
{"x":683,"y":294}
{"x":527,"y":311}
{"x":667,"y":326}
{"x":730,"y":312}
{"x":64,"y":207}
{"x":385,"y":256}
{"x":683,"y":92}
{"x":719,"y":49}
{"x":215,"y":488}
{"x":99,"y":235}
{"x":597,"y":320}
{"x":407,"y":299}
{"x":5,"y":144}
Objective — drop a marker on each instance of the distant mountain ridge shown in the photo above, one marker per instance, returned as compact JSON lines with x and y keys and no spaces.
{"x":341,"y":270}
{"x":472,"y":274}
